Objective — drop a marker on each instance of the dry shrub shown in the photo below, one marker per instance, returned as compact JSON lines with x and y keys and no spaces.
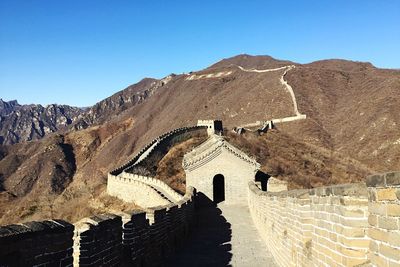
{"x":170,"y":168}
{"x":302,"y":165}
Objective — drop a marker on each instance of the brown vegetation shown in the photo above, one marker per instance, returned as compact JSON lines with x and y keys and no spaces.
{"x":301,"y":164}
{"x":352,"y":128}
{"x":170,"y":168}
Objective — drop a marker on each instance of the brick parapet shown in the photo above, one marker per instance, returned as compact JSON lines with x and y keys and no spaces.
{"x":175,"y":196}
{"x":45,"y":243}
{"x":102,"y":240}
{"x":384,"y":218}
{"x":324,"y":226}
{"x":136,"y":190}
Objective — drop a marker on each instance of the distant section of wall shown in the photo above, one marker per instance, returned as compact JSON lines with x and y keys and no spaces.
{"x":343,"y":225}
{"x":143,"y":238}
{"x":131,"y":190}
{"x":384,"y":218}
{"x":170,"y":193}
{"x":135,"y":182}
{"x":151,"y":146}
{"x":46,"y":243}
{"x":288,"y":119}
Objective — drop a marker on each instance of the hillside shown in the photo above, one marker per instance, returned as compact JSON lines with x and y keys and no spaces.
{"x":352,"y":129}
{"x":19,"y":123}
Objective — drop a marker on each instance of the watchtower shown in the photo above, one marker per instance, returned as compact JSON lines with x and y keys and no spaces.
{"x":213,"y":126}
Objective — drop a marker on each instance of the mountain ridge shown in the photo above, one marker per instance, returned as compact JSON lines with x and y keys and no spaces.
{"x":351,"y":113}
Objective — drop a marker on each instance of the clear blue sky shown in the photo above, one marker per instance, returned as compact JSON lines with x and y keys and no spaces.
{"x":78,"y":52}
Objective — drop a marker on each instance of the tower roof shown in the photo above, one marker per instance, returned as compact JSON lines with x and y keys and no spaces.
{"x":211,"y":149}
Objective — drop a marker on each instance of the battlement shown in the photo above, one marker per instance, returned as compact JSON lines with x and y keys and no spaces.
{"x":137,"y":238}
{"x":340,"y":225}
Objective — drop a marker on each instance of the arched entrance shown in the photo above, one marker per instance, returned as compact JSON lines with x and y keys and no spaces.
{"x":218,"y":188}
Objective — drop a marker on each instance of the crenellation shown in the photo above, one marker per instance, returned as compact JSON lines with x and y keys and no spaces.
{"x":101,"y":240}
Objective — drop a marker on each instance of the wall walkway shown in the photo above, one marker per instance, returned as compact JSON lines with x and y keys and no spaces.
{"x":225,"y":236}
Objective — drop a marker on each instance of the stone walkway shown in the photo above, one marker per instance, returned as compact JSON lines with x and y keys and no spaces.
{"x":225,"y":236}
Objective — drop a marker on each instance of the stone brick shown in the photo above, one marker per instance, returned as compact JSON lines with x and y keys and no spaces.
{"x":376,"y":180}
{"x":378,"y":234}
{"x":393,"y":210}
{"x":391,"y":253}
{"x":394,"y":264}
{"x":354,"y":261}
{"x":349,"y":231}
{"x":351,"y":252}
{"x":386,"y":194}
{"x":373,"y":220}
{"x":392,"y":178}
{"x":360,"y":202}
{"x":378,"y":260}
{"x":372,"y":194}
{"x":376,"y":208}
{"x":394,"y":238}
{"x":388,"y":223}
{"x":342,"y":210}
{"x":354,"y":222}
{"x":354,"y":242}
{"x":373,"y":246}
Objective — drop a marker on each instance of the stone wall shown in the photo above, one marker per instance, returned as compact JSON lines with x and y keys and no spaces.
{"x":171,"y":193}
{"x":98,"y":241}
{"x":344,"y":225}
{"x":46,"y":243}
{"x":153,"y":144}
{"x":141,"y":238}
{"x":384,"y":219}
{"x":151,"y":236}
{"x":131,"y":190}
{"x":134,"y":181}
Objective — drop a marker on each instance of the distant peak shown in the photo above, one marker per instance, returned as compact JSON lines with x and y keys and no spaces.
{"x":341,"y":64}
{"x":250,"y":61}
{"x":11,"y":102}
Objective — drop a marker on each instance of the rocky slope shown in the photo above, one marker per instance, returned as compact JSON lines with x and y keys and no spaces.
{"x":19,"y":123}
{"x":30,"y":122}
{"x":352,"y":129}
{"x":116,"y":104}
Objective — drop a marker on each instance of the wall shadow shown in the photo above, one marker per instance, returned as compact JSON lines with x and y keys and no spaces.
{"x":207,"y":243}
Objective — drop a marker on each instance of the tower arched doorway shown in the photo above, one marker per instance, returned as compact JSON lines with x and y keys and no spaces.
{"x":218,"y":188}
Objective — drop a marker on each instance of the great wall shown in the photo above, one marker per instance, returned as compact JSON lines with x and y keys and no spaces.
{"x":263,"y":224}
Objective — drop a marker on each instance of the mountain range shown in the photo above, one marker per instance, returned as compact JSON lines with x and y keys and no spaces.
{"x":54,"y":159}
